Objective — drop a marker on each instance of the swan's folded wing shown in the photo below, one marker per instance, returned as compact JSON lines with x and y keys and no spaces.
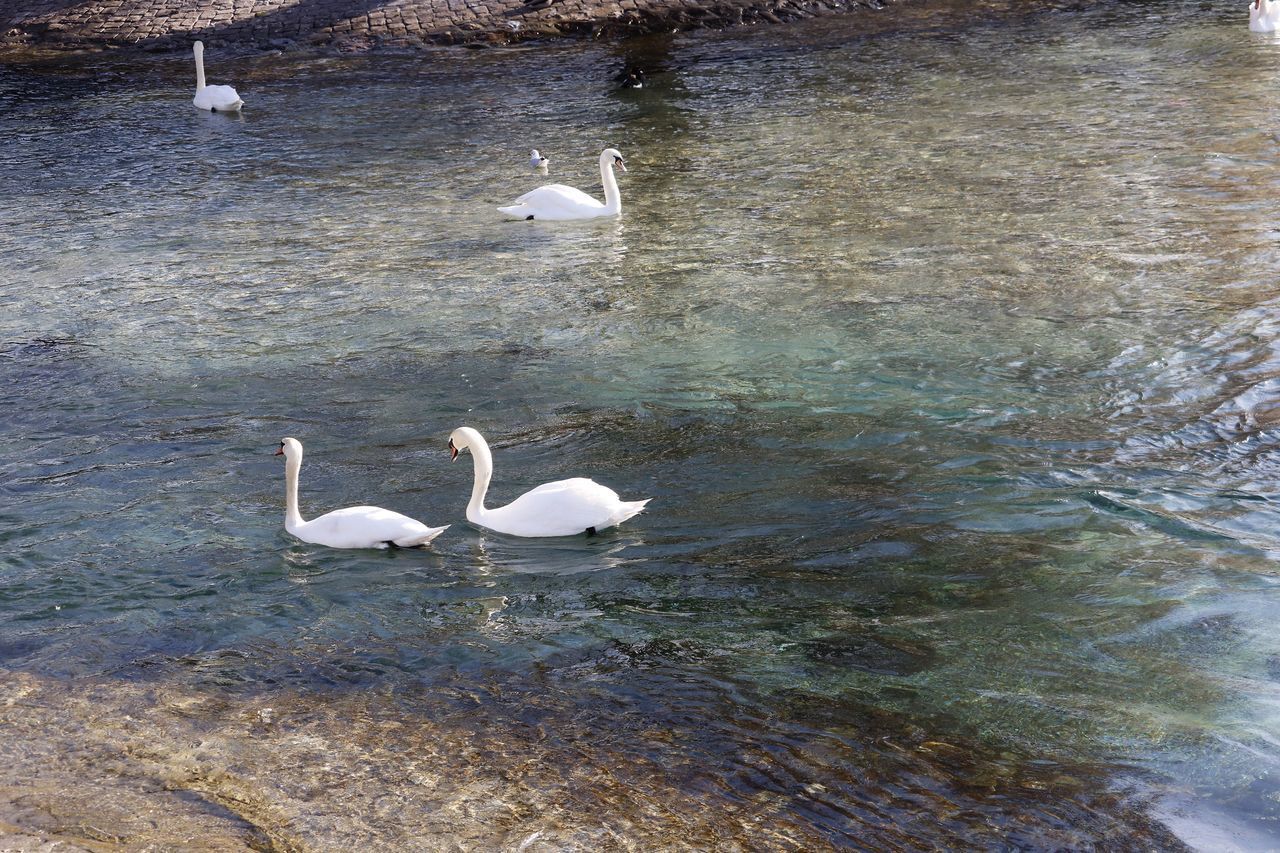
{"x":582,"y":488}
{"x":571,"y":506}
{"x":558,"y":197}
{"x":223,"y":97}
{"x":364,"y":527}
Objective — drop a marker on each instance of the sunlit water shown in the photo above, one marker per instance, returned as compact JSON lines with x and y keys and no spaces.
{"x":950,"y":357}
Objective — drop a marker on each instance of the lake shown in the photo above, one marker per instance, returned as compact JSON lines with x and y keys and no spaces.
{"x":948,"y":351}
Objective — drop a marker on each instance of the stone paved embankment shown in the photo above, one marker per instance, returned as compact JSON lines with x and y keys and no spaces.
{"x":359,"y":24}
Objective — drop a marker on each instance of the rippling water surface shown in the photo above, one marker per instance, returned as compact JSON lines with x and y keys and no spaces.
{"x":949,"y":355}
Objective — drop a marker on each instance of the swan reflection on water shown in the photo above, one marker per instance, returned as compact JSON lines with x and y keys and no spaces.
{"x":493,"y":553}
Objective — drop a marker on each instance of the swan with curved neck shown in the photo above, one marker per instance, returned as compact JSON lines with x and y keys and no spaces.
{"x":557,"y":202}
{"x":563,"y":508}
{"x":353,"y":527}
{"x":1263,"y":16}
{"x":538,"y":162}
{"x":212,"y":98}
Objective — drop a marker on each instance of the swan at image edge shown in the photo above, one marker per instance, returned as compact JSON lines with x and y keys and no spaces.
{"x":1264,"y":16}
{"x":563,"y":508}
{"x":212,"y":98}
{"x":352,"y":527}
{"x":557,"y":202}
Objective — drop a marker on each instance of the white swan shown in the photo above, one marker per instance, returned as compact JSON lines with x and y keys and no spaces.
{"x":562,"y":508}
{"x":1263,"y":16}
{"x":558,"y":202}
{"x":353,"y":527}
{"x":537,"y":161}
{"x":212,"y":98}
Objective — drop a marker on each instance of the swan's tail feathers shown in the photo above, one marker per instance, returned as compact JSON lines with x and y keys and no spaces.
{"x":629,"y":509}
{"x":422,"y":539}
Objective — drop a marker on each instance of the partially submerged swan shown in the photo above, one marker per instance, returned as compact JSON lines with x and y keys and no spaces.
{"x":212,"y":98}
{"x":353,"y":527}
{"x":563,"y":508}
{"x":558,"y":202}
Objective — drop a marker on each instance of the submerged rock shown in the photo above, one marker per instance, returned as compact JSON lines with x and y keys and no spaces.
{"x":152,"y":765}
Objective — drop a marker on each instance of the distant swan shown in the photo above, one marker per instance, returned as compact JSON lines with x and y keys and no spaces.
{"x":562,"y":508}
{"x":1263,"y":16}
{"x":558,"y":202}
{"x":212,"y":98}
{"x":537,"y":161}
{"x":353,"y":527}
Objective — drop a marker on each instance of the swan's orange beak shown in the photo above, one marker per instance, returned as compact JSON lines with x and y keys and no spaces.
{"x":453,"y":452}
{"x":621,"y":165}
{"x":279,"y":452}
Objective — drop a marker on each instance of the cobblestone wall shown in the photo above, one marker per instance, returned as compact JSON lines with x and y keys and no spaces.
{"x":357,"y":24}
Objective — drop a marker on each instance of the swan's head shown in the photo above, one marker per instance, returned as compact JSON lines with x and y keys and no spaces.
{"x":290,"y":449}
{"x":614,"y":156}
{"x":198,"y":48}
{"x":461,"y":439}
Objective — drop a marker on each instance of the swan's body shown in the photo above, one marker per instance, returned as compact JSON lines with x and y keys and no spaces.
{"x":352,"y":527}
{"x":557,"y":202}
{"x":537,"y":161}
{"x":1263,"y":16}
{"x":563,"y":508}
{"x":218,"y":99}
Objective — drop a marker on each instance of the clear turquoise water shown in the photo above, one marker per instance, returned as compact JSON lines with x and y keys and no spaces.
{"x":948,"y":356}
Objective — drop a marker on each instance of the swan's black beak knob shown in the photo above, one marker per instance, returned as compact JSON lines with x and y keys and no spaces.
{"x":453,"y":452}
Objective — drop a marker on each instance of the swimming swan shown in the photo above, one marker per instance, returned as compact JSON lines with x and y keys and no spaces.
{"x":562,"y":508}
{"x":558,"y":202}
{"x":353,"y":527}
{"x":1263,"y":16}
{"x":212,"y":98}
{"x":537,"y":161}
{"x":632,"y":78}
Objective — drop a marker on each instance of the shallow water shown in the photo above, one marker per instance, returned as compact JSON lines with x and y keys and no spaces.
{"x":949,"y":356}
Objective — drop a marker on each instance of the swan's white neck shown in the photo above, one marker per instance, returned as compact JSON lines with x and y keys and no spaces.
{"x":483,"y":460}
{"x":612,"y":199}
{"x":292,"y":517}
{"x":199,"y":51}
